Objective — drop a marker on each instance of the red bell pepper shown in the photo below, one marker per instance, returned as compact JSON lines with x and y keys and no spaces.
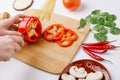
{"x":53,"y":32}
{"x":67,"y":39}
{"x":31,"y":28}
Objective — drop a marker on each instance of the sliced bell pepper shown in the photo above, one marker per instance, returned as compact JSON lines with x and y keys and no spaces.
{"x":67,"y":39}
{"x":31,"y":28}
{"x":53,"y":32}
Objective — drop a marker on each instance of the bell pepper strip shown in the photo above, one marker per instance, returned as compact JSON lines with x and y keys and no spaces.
{"x":31,"y":28}
{"x":53,"y":32}
{"x":67,"y":39}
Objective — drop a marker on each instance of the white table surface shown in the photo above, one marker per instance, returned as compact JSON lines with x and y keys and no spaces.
{"x":17,"y":70}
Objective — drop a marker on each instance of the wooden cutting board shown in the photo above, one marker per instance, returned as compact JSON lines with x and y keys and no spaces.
{"x":49,"y":56}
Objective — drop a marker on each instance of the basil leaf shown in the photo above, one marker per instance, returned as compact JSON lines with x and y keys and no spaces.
{"x":115,"y":31}
{"x":98,"y":27}
{"x":88,"y":18}
{"x":93,"y":21}
{"x":111,"y":17}
{"x":82,"y":22}
{"x":104,"y":14}
{"x":100,"y":36}
{"x":95,"y":12}
{"x":101,"y":21}
{"x":103,"y":30}
{"x":110,"y":24}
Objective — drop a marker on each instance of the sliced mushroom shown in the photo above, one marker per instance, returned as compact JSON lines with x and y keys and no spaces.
{"x":78,"y":72}
{"x":98,"y":75}
{"x":67,"y":77}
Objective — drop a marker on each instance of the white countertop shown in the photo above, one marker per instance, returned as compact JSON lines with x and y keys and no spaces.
{"x":17,"y":70}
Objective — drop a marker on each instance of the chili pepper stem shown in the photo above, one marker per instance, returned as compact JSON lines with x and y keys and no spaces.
{"x":80,"y":29}
{"x":117,"y":46}
{"x":112,"y":41}
{"x":108,"y":61}
{"x":91,"y":31}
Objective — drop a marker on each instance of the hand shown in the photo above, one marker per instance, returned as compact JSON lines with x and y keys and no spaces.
{"x":9,"y":46}
{"x":8,"y":26}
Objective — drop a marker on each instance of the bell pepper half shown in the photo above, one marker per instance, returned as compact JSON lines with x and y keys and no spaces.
{"x":31,"y":28}
{"x":53,"y":32}
{"x":67,"y":39}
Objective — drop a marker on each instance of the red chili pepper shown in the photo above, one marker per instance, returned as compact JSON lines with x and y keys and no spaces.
{"x":92,"y":54}
{"x":105,"y":47}
{"x":31,"y":28}
{"x":53,"y":32}
{"x":67,"y":39}
{"x":98,"y":51}
{"x":98,"y":43}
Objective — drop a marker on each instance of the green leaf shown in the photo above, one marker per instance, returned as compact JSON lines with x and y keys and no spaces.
{"x":82,"y":22}
{"x":104,"y":14}
{"x":103,"y":30}
{"x":93,"y":21}
{"x":111,"y":17}
{"x":110,"y":24}
{"x":88,"y":18}
{"x":115,"y":31}
{"x":101,"y":21}
{"x":96,"y":15}
{"x":98,"y":27}
{"x":95,"y":12}
{"x":100,"y":36}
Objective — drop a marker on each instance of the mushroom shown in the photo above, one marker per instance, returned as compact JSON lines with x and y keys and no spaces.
{"x":78,"y":72}
{"x":98,"y":75}
{"x":67,"y":77}
{"x":4,"y":15}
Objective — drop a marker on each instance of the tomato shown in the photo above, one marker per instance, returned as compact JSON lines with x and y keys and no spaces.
{"x":71,"y":4}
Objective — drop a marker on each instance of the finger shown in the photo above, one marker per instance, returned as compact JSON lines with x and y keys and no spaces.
{"x":20,"y":15}
{"x":13,"y":28}
{"x":18,"y":20}
{"x":9,"y":55}
{"x":12,"y":20}
{"x":18,"y":39}
{"x":17,"y":17}
{"x":17,"y":47}
{"x":9,"y":32}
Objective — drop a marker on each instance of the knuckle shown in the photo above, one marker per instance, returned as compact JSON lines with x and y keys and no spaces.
{"x":7,"y":59}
